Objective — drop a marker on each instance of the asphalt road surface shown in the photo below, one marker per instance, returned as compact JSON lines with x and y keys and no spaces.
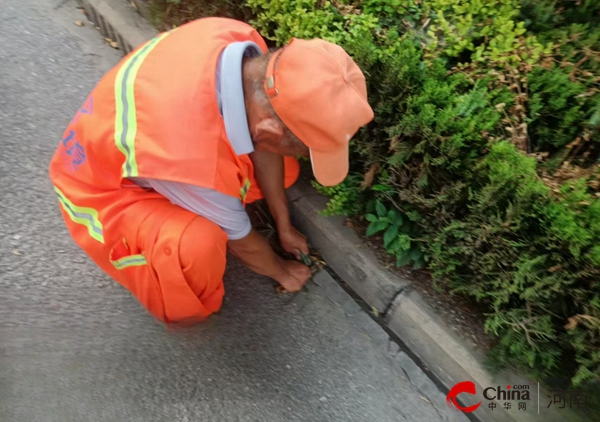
{"x":75,"y":346}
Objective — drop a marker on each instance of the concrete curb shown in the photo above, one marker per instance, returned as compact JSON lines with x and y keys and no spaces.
{"x":447,"y":358}
{"x":425,"y":335}
{"x":341,"y":249}
{"x":118,"y":20}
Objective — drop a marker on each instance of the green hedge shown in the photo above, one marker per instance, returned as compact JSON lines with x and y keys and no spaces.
{"x":482,"y":161}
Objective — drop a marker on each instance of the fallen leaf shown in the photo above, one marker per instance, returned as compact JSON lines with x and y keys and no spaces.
{"x":586,"y":94}
{"x":547,"y":63}
{"x":589,"y":318}
{"x":555,"y":268}
{"x":424,"y":399}
{"x":368,"y":180}
{"x":16,"y":253}
{"x":114,"y":45}
{"x":78,"y":23}
{"x":575,"y":143}
{"x":375,"y":311}
{"x":572,"y":323}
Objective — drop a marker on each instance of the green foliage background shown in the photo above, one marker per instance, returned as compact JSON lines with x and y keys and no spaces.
{"x":482,"y":161}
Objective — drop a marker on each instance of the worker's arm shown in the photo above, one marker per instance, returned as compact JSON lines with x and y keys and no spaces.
{"x":244,"y":242}
{"x":256,"y":253}
{"x":269,"y":172}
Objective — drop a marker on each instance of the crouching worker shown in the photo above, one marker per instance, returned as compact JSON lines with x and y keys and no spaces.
{"x":153,"y":173}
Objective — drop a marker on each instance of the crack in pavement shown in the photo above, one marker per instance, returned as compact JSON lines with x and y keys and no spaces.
{"x":387,"y":309}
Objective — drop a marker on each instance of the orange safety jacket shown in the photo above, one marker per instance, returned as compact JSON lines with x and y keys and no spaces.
{"x":154,"y":115}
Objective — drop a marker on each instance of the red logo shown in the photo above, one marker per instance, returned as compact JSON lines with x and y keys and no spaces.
{"x":467,"y":387}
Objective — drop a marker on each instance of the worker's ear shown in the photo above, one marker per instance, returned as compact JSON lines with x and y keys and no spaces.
{"x":269,"y":131}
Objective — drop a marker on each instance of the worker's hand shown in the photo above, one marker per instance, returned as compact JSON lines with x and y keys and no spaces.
{"x":292,"y":241}
{"x":294,"y":276}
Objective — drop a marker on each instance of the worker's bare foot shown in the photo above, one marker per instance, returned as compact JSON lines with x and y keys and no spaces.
{"x":295,"y":275}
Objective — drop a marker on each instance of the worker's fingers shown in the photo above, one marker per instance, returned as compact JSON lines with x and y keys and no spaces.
{"x":305,"y":247}
{"x":305,"y":259}
{"x":297,"y":274}
{"x":293,"y":242}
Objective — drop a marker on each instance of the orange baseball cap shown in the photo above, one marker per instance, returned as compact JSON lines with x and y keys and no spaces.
{"x":320,"y":94}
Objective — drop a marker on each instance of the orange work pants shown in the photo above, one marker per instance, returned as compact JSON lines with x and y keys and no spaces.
{"x":185,"y":254}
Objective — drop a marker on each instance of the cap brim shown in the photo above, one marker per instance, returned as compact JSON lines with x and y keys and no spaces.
{"x":330,"y":168}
